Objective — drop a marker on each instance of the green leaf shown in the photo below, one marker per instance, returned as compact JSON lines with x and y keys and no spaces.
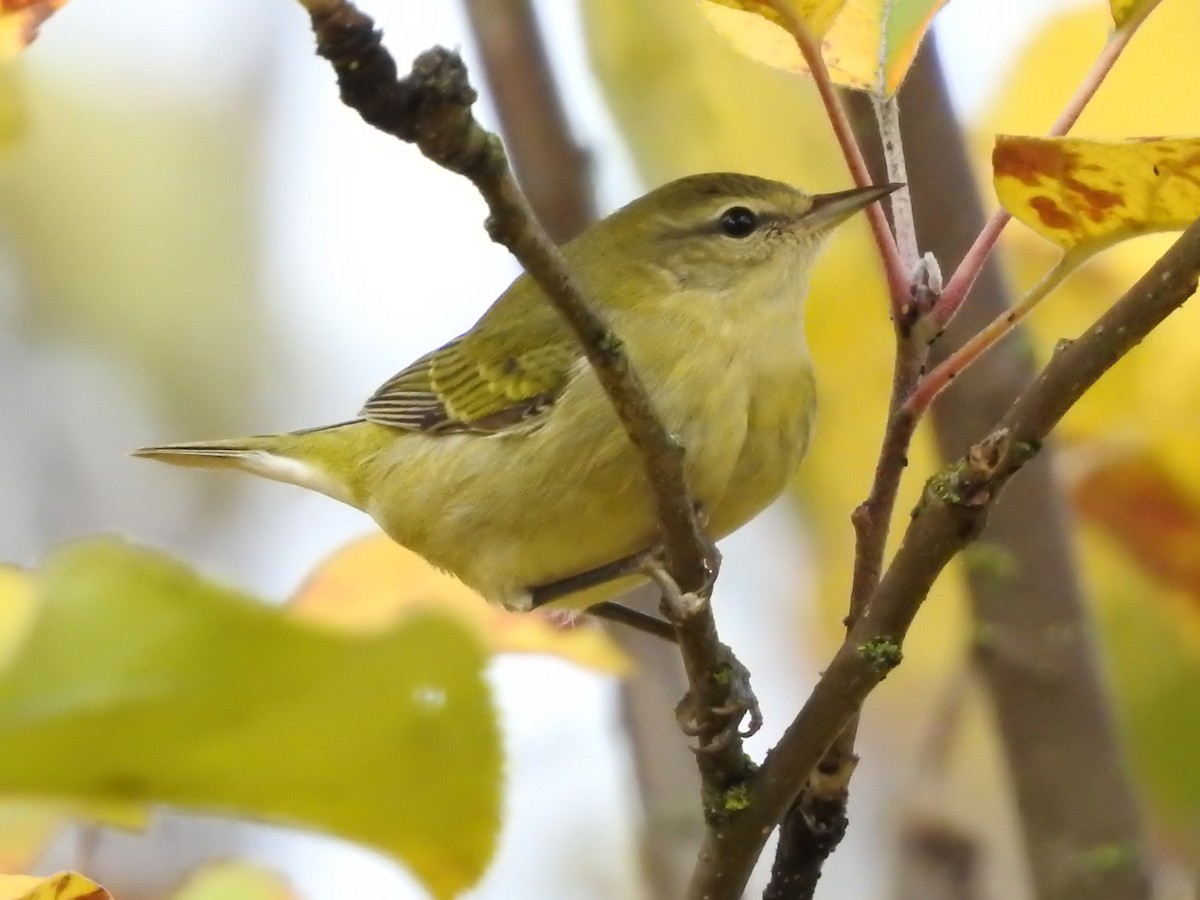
{"x":138,"y":680}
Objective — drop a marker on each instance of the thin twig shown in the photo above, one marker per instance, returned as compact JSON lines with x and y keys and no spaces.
{"x":887,"y":115}
{"x":957,"y":362}
{"x":897,"y":277}
{"x":815,"y":824}
{"x":431,"y":107}
{"x":951,"y":513}
{"x":960,"y":283}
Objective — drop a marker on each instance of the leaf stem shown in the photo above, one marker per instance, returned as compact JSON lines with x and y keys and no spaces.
{"x":954,"y":364}
{"x":964,"y":276}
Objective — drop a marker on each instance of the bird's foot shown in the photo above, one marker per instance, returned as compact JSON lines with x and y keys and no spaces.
{"x":716,"y":727}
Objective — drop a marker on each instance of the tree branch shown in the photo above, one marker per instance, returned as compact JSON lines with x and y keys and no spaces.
{"x":431,"y":107}
{"x":1060,"y":744}
{"x":951,"y":513}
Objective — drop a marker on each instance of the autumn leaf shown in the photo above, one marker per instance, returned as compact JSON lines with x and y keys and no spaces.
{"x":817,"y":15}
{"x":1136,"y":501}
{"x":139,"y":681}
{"x":19,"y":23}
{"x":1087,"y":195}
{"x":1126,"y":13}
{"x":63,"y":886}
{"x":374,"y":582}
{"x":868,"y":46}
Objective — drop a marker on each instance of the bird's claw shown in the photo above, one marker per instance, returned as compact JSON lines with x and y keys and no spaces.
{"x":716,"y":727}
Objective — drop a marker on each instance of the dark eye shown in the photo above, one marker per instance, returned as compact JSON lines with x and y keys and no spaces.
{"x":738,"y":222}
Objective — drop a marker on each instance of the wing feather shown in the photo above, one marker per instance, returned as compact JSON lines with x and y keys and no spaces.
{"x":506,"y":381}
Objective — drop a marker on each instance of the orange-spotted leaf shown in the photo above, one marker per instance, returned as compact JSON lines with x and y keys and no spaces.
{"x":372,"y":583}
{"x":63,"y":886}
{"x":1136,"y":501}
{"x":1130,"y":12}
{"x":19,"y":23}
{"x":869,"y":45}
{"x":1087,"y":195}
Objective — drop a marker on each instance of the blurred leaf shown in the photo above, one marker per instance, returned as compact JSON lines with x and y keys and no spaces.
{"x":25,"y":829}
{"x":234,"y":881}
{"x":869,"y":46}
{"x":207,"y":699}
{"x":1135,"y":500}
{"x":1150,"y":402}
{"x":112,"y":204}
{"x":19,"y":23}
{"x":1126,"y":11}
{"x":63,"y":886}
{"x":817,"y":15}
{"x":665,"y":73}
{"x":1085,"y":195}
{"x":374,"y":582}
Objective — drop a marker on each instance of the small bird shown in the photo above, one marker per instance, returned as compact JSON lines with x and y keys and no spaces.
{"x":497,"y":456}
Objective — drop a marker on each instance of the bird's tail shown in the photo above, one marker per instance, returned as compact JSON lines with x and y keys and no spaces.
{"x":294,"y":458}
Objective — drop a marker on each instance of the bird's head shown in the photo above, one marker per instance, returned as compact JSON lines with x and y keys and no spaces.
{"x":716,"y":232}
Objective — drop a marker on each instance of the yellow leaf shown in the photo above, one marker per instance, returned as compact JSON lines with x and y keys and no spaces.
{"x":1087,"y":195}
{"x":28,"y":826}
{"x":817,"y":15}
{"x":17,"y":609}
{"x":231,"y":880}
{"x":63,"y":886}
{"x":141,"y":682}
{"x":19,"y":23}
{"x":374,"y":582}
{"x":1125,"y":12}
{"x":869,"y":46}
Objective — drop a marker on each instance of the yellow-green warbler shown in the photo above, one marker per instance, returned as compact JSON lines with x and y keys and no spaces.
{"x":497,"y":456}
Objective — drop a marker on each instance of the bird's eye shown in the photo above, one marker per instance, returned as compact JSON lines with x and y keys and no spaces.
{"x":738,"y":222}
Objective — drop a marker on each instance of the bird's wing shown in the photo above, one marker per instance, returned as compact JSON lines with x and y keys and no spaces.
{"x":505,"y":382}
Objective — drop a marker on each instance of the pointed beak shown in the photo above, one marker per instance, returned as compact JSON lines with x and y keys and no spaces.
{"x":828,"y":210}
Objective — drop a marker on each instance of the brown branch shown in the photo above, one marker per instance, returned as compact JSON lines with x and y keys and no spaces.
{"x":952,"y":512}
{"x":557,"y":180}
{"x":816,"y":823}
{"x":431,"y":107}
{"x":1060,"y":744}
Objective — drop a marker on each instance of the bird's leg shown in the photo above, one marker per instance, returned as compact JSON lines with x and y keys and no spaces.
{"x":640,"y":621}
{"x":715,"y":725}
{"x":634,"y":564}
